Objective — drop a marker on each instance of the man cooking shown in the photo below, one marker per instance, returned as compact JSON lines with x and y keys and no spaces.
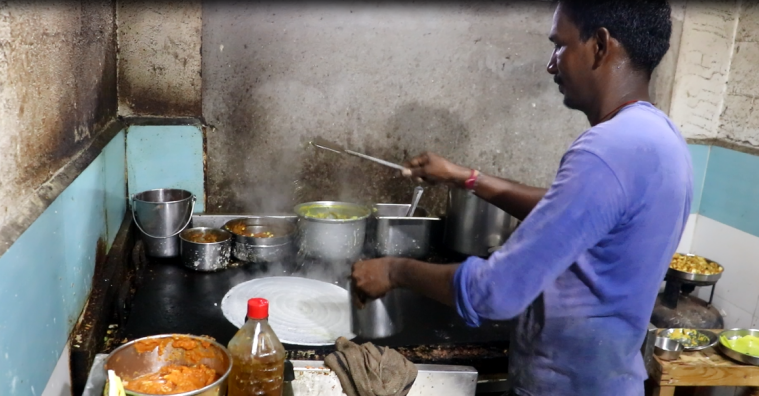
{"x":582,"y":271}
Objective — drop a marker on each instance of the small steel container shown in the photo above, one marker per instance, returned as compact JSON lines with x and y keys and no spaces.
{"x":379,"y":318}
{"x":393,"y":234}
{"x":667,"y":349}
{"x":473,"y":226}
{"x":128,"y":364}
{"x":205,"y":256}
{"x":279,"y":248}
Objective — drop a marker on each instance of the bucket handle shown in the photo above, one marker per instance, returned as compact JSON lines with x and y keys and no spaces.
{"x":134,"y":217}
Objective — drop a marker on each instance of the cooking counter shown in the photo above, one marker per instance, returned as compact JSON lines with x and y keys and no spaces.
{"x":173,"y":299}
{"x":135,"y":296}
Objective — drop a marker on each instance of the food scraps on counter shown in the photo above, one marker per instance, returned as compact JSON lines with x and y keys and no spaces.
{"x":689,"y":337}
{"x":694,"y":265}
{"x":747,"y":345}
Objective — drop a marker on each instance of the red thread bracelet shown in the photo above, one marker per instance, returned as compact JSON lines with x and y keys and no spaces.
{"x":470,"y":183}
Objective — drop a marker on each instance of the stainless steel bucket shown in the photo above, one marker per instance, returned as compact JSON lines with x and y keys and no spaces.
{"x":379,"y":318}
{"x":393,"y":234}
{"x":473,"y":226}
{"x":328,"y":239}
{"x":161,"y":215}
{"x":205,"y":256}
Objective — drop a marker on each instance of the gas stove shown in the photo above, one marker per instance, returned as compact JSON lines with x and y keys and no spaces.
{"x":676,"y":307}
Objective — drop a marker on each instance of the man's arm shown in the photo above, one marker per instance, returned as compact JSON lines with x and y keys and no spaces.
{"x":585,"y":202}
{"x":374,"y":278}
{"x":516,"y":199}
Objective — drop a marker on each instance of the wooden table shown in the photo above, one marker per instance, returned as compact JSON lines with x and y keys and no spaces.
{"x":703,"y":368}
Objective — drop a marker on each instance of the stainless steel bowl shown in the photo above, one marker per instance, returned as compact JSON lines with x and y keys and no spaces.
{"x":128,"y":364}
{"x":667,"y":349}
{"x":262,"y":250}
{"x":690,"y":276}
{"x":331,"y":239}
{"x":733,"y":354}
{"x":713,"y":339}
{"x":205,"y":256}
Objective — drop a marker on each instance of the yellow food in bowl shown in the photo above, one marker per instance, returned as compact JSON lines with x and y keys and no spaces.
{"x":747,"y":345}
{"x":694,"y":265}
{"x":689,"y":337}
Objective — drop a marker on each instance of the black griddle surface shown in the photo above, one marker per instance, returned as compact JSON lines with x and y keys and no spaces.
{"x":174,"y":299}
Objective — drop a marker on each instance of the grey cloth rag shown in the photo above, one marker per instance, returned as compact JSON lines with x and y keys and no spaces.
{"x":369,"y":370}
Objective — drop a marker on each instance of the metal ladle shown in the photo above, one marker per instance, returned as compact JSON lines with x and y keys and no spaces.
{"x":327,"y":145}
{"x":418,"y":190}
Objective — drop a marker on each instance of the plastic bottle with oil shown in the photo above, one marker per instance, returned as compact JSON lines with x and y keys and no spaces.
{"x":258,"y":358}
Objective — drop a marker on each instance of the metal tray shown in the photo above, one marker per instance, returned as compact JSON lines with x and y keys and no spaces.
{"x":689,"y":276}
{"x":735,"y":355}
{"x":713,"y":339}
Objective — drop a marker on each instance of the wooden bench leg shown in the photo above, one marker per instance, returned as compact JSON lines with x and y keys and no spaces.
{"x":664,"y":391}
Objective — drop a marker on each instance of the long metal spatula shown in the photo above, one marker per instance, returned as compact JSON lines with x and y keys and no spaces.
{"x":327,"y":145}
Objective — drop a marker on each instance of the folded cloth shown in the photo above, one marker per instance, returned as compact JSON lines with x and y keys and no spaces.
{"x":369,"y":370}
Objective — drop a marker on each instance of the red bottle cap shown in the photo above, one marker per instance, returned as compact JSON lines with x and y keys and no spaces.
{"x":258,"y":308}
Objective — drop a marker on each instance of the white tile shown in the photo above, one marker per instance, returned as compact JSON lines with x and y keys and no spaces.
{"x":738,"y":252}
{"x":687,"y":239}
{"x":59,"y":383}
{"x":755,"y":322}
{"x":734,"y":316}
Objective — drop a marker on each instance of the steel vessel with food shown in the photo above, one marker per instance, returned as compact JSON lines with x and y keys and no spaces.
{"x":741,"y":345}
{"x":205,"y":249}
{"x":261,"y":240}
{"x":172,"y":364}
{"x":694,"y":268}
{"x":691,"y":339}
{"x":331,"y":231}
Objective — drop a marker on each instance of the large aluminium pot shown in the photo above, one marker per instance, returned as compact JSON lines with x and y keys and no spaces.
{"x":473,"y":226}
{"x":331,"y":231}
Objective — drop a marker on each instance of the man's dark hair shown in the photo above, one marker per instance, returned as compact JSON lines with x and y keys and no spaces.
{"x":643,"y":27}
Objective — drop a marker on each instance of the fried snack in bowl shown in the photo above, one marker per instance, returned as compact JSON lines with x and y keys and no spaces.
{"x":694,"y":264}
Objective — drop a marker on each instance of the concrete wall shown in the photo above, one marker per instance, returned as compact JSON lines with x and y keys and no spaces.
{"x":57,"y":93}
{"x":739,"y":120}
{"x":466,"y":80}
{"x":159,"y":58}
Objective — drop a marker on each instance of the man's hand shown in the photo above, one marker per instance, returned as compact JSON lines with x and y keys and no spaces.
{"x":433,"y":168}
{"x":371,"y":279}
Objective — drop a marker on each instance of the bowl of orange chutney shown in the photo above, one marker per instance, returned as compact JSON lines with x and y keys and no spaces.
{"x":172,"y":364}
